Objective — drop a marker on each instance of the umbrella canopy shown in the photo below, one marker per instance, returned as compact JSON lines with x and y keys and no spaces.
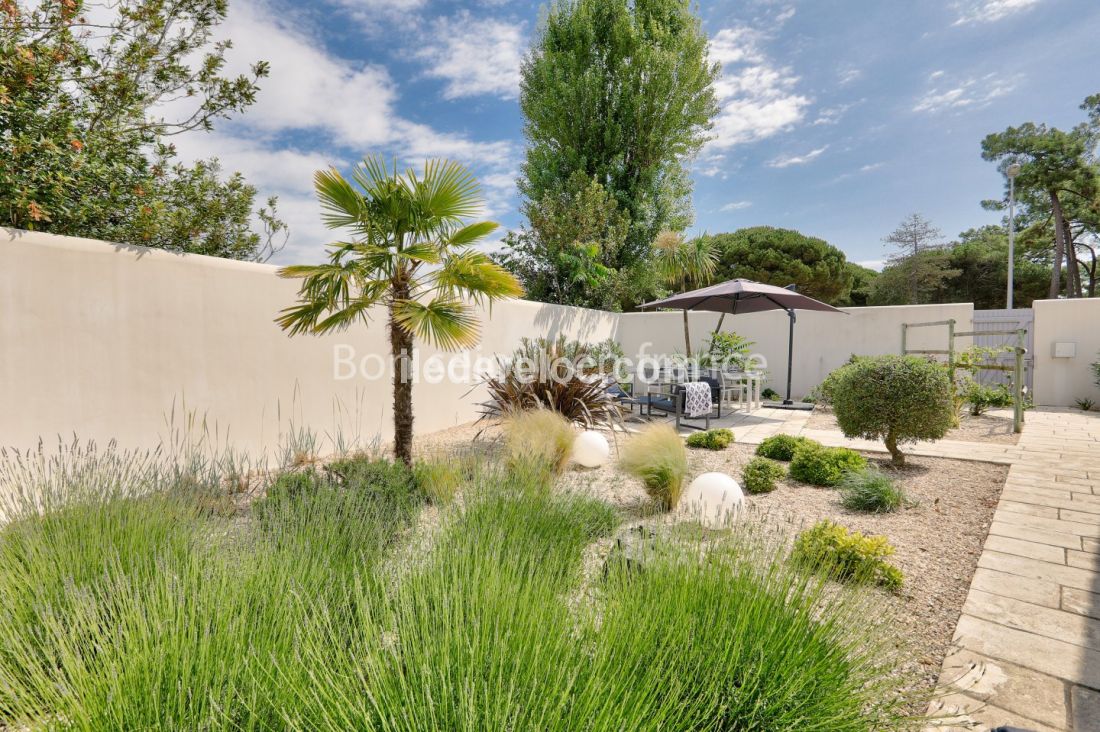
{"x":745,"y":296}
{"x":741,"y":296}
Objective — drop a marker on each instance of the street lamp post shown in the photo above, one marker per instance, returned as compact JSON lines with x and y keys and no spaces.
{"x":1012,"y":171}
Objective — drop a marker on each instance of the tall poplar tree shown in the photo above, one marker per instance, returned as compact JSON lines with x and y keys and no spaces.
{"x":621,"y":92}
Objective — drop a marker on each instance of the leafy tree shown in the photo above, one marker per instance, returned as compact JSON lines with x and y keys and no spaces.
{"x":863,"y":279}
{"x":1059,"y":189}
{"x":570,"y":250}
{"x":410,"y":253}
{"x":917,"y":258}
{"x":981,"y":258}
{"x":893,"y":398}
{"x":782,"y":257}
{"x":85,"y":94}
{"x":621,"y":92}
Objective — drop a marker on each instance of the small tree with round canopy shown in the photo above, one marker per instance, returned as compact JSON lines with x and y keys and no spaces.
{"x":895,"y":399}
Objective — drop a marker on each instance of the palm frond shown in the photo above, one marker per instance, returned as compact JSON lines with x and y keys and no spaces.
{"x":448,"y":192}
{"x":341,"y":204}
{"x":473,"y":274}
{"x":469,"y":234}
{"x":449,"y":324}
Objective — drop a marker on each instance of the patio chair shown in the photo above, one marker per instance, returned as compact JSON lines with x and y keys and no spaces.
{"x":672,"y":403}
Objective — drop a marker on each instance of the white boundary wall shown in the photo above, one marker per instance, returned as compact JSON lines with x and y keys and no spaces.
{"x":105,"y":341}
{"x":1060,"y":380}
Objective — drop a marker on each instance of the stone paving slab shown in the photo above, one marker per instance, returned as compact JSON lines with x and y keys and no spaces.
{"x":1028,"y":640}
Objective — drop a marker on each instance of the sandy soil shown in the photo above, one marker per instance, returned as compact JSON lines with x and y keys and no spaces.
{"x":988,"y":427}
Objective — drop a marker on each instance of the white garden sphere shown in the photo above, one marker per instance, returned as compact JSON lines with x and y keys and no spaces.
{"x":713,"y":498}
{"x":590,"y":449}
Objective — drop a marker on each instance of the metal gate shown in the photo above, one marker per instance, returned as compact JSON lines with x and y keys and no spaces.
{"x":1008,"y":321}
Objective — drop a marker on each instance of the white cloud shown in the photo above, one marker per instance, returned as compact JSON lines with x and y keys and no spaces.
{"x":989,"y":11}
{"x":870,"y":167}
{"x":849,"y":75}
{"x":786,"y":161}
{"x":335,"y":111}
{"x":875,"y":264}
{"x":757,"y":97}
{"x":832,"y":115}
{"x":736,"y":206}
{"x":476,"y":56}
{"x":970,"y":93}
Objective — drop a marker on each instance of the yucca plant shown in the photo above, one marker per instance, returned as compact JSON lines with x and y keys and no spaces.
{"x":555,"y":375}
{"x":657,"y":455}
{"x":410,"y":253}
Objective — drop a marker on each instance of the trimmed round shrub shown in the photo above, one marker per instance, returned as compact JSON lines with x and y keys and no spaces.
{"x":760,"y":474}
{"x":896,"y":399}
{"x":870,"y":490}
{"x":845,"y":555}
{"x":819,"y":465}
{"x":781,"y":447}
{"x":716,"y":439}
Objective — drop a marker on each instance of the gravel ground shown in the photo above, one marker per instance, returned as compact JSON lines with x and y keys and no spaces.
{"x":937,"y":539}
{"x":989,"y":427}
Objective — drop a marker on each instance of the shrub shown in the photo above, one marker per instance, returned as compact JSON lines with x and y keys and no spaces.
{"x":981,"y":397}
{"x":781,"y":447}
{"x":870,"y":490}
{"x":559,"y":375}
{"x":657,"y":456}
{"x":894,"y":398}
{"x":540,"y":438}
{"x":716,"y":439}
{"x":769,"y":394}
{"x":848,"y":556}
{"x":819,"y":465}
{"x":726,"y":349}
{"x":760,"y":474}
{"x":439,"y":478}
{"x":1085,"y":404}
{"x":825,"y":392}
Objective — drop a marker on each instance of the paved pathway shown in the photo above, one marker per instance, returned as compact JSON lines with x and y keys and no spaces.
{"x":1029,"y":637}
{"x":1028,"y":641}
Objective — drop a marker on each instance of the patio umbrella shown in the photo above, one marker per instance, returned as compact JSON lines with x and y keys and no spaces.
{"x":745,"y":296}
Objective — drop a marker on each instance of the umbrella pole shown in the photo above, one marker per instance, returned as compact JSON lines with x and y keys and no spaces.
{"x":790,"y":356}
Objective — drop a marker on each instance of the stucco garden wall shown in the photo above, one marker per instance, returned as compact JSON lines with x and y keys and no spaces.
{"x":113,"y":342}
{"x":1060,"y":380}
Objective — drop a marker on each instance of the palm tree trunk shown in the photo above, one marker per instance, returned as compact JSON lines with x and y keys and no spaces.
{"x":687,"y":334}
{"x":1059,"y":247}
{"x":401,"y":346}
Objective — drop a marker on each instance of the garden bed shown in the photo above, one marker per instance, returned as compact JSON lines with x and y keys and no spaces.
{"x":993,"y":426}
{"x":937,"y":538}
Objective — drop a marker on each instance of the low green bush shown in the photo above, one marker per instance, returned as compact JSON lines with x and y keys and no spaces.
{"x":769,"y":394}
{"x":849,"y":556}
{"x":819,"y":465}
{"x":870,"y":490}
{"x":657,"y":456}
{"x":982,"y":397}
{"x":716,"y":439}
{"x":760,"y":475}
{"x":781,"y":447}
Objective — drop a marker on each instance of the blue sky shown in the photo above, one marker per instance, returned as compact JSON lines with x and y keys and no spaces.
{"x":839,"y":117}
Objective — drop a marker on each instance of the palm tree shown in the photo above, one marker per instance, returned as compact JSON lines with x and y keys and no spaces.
{"x":680,"y":263}
{"x":409,"y":251}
